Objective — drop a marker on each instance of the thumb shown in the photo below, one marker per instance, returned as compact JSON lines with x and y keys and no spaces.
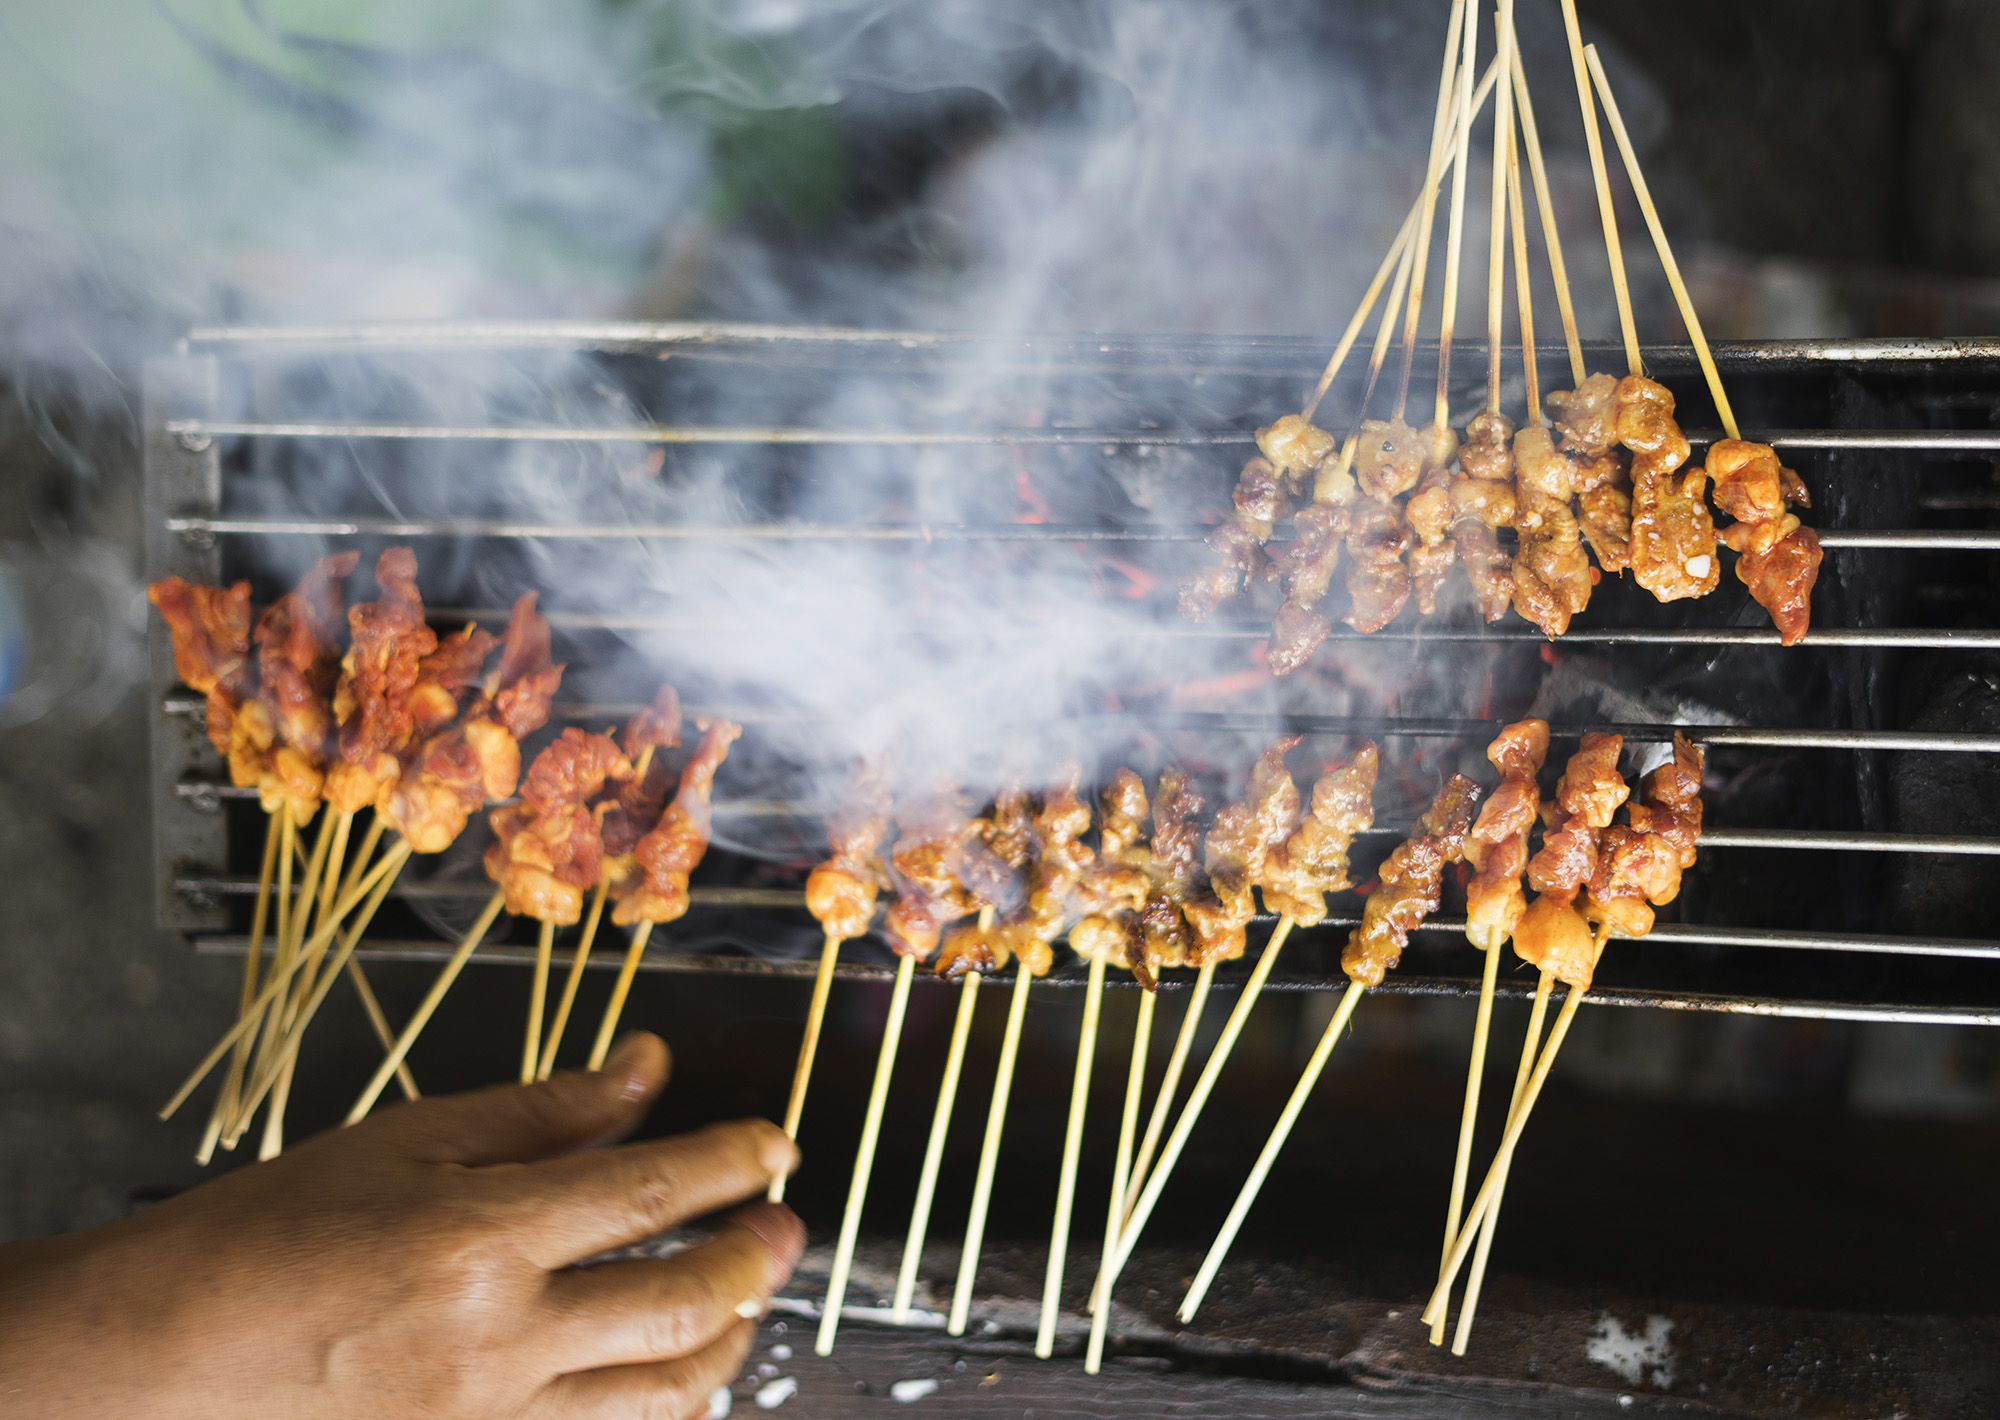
{"x":505,"y":1124}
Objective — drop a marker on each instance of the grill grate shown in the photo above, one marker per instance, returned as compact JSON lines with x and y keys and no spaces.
{"x":238,"y":413}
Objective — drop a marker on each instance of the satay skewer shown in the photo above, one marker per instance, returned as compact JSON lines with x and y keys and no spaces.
{"x":273,"y":984}
{"x":989,"y":1150}
{"x":1530,"y":1049}
{"x":1606,"y":210}
{"x":1496,"y":230}
{"x":232,"y":1084}
{"x":1433,"y":171}
{"x":1545,"y":205}
{"x":1204,"y":1086}
{"x":1475,"y":1076}
{"x":538,"y":999}
{"x":427,"y":1007}
{"x":1455,"y":228}
{"x":1666,"y":251}
{"x":1524,"y":293}
{"x":920,"y":1212}
{"x":607,"y":1029}
{"x":795,"y":1107}
{"x":1170,"y":1083}
{"x":584,"y":942}
{"x":864,"y":1157}
{"x":1079,"y":1102}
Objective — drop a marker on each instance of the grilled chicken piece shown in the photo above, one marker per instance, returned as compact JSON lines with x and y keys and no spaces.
{"x":1777,"y":558}
{"x":1487,"y":565}
{"x":658,"y":890}
{"x":1238,"y":541}
{"x":548,"y":847}
{"x":1487,"y":453}
{"x":1377,"y":581}
{"x":1551,"y":572}
{"x":1389,"y":458}
{"x":1296,"y":448}
{"x":1411,"y":884}
{"x":1429,"y":513}
{"x":1238,"y":846}
{"x":1673,"y":536}
{"x":1639,"y":865}
{"x":1498,"y":847}
{"x":1552,"y":936}
{"x":1587,"y":418}
{"x":1313,"y":861}
{"x":1305,"y":567}
{"x":923,"y":866}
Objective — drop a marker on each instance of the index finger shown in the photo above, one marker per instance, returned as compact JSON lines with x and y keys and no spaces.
{"x":587,"y":1203}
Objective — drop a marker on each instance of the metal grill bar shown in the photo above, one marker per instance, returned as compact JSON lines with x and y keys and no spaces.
{"x":211,"y":795}
{"x":1429,"y":728}
{"x":1954,"y":441}
{"x":1830,"y":538}
{"x":1673,"y":933}
{"x":1398,"y":984}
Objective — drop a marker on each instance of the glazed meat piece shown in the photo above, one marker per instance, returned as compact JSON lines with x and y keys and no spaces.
{"x":635,"y":807}
{"x":1296,"y":632}
{"x":389,"y":642}
{"x":1175,"y":868}
{"x":1488,"y":567}
{"x":1116,"y":888}
{"x":1604,"y":514}
{"x":1429,"y":515}
{"x":525,"y":681}
{"x":1639,"y":865}
{"x":1295,"y":448}
{"x":841,"y":891}
{"x":1055,"y":877}
{"x":1377,"y":581}
{"x":1389,"y":458}
{"x":1238,"y":541}
{"x":1587,"y":796}
{"x":1313,"y":861}
{"x":1587,"y":418}
{"x":1237,"y":851}
{"x":1411,"y":883}
{"x":1305,"y":566}
{"x":658,"y":890}
{"x":1121,"y":822}
{"x":1498,"y":847}
{"x":922,"y":865}
{"x":548,"y":848}
{"x":1486,"y":502}
{"x":1552,"y":936}
{"x":1551,"y":573}
{"x":1488,"y":453}
{"x":210,"y":631}
{"x":1672,"y":548}
{"x":1777,"y":558}
{"x":298,"y":656}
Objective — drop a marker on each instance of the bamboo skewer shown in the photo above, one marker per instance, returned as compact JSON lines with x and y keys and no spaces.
{"x":1121,"y":1172}
{"x":1433,"y":171}
{"x":1666,"y":251}
{"x":1475,"y":1077}
{"x":538,"y":1000}
{"x":795,"y":1108}
{"x":1170,"y":1084}
{"x":864,"y":1158}
{"x":277,"y":980}
{"x":1204,"y":1085}
{"x":232,"y":1083}
{"x":1079,"y":1103}
{"x":315,"y":894}
{"x":282,"y":959}
{"x":1605,"y":209}
{"x":1496,"y":1176}
{"x":572,"y":981}
{"x":1496,"y":231}
{"x":1551,"y":237}
{"x":1247,"y":1195}
{"x":920,"y":1213}
{"x":1524,"y":291}
{"x":289,"y":1047}
{"x":615,"y":1007}
{"x":1353,"y":331}
{"x":1491,"y":1223}
{"x":1455,"y":229}
{"x":426,"y":1008}
{"x":384,"y":1032}
{"x":989,"y":1152}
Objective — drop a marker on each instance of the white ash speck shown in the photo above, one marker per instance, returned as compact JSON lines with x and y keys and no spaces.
{"x":775,"y":1394}
{"x":719,"y":1402}
{"x":781,"y":1352}
{"x":907,"y":1391}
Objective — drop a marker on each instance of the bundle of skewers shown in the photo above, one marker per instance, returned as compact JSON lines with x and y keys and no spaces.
{"x":414,"y":730}
{"x":1608,"y":469}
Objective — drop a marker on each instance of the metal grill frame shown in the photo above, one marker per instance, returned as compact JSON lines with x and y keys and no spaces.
{"x":183,"y":478}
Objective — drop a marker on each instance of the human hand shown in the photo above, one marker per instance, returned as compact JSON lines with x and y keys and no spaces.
{"x":419,"y":1264}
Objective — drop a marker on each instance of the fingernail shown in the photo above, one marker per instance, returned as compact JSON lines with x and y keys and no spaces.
{"x":778,"y":1154}
{"x":750,"y":1308}
{"x":780,"y":1230}
{"x":623,"y":1066}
